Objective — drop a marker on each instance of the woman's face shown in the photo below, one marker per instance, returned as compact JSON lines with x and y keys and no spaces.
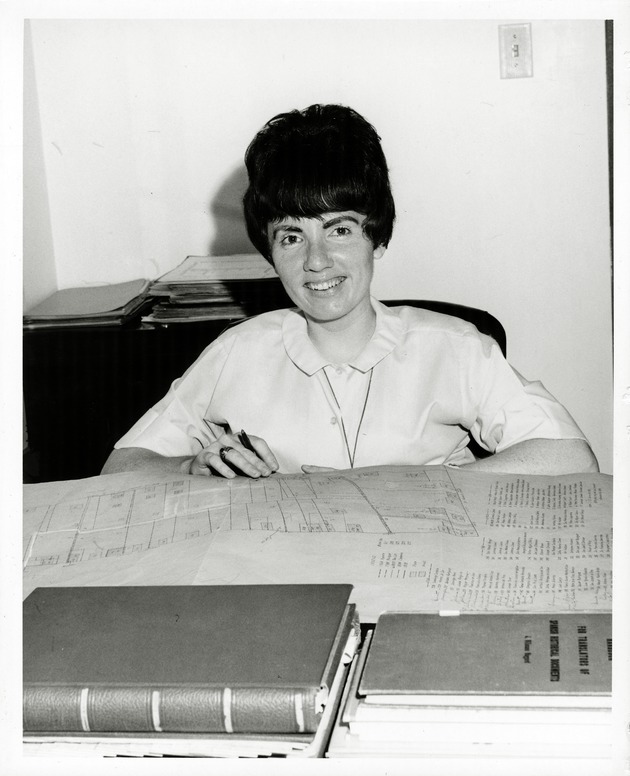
{"x":325,"y":264}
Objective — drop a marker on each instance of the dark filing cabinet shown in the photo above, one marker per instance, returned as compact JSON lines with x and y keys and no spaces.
{"x":84,"y":387}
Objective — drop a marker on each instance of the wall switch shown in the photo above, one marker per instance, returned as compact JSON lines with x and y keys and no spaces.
{"x":515,"y":50}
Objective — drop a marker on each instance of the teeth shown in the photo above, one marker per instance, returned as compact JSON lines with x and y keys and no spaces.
{"x":325,"y":284}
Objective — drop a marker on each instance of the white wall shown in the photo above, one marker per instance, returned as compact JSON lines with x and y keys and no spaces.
{"x":501,"y":185}
{"x":39,"y":270}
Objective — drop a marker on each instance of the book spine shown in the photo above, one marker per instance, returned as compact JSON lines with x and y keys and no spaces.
{"x":51,"y":708}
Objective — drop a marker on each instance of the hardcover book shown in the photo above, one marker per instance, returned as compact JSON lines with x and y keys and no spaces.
{"x":431,"y":722}
{"x":530,"y":659}
{"x":183,"y":659}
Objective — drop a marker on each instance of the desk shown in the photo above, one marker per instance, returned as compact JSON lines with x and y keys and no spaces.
{"x":414,"y":538}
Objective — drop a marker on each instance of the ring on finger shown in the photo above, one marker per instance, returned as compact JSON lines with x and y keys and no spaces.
{"x":223,"y":452}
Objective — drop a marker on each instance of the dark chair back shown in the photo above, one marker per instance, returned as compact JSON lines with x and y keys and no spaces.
{"x":484,"y":321}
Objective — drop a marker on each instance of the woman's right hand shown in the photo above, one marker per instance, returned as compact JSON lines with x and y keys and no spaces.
{"x":227,"y":457}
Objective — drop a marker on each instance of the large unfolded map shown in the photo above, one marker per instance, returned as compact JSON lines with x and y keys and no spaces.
{"x":429,"y":538}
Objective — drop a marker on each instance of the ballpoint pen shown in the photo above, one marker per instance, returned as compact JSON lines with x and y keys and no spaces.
{"x":245,"y":441}
{"x":247,"y":444}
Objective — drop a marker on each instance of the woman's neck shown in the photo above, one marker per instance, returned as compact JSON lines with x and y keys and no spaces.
{"x":340,"y":341}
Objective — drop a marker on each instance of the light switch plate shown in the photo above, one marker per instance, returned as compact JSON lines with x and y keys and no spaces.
{"x":515,"y":50}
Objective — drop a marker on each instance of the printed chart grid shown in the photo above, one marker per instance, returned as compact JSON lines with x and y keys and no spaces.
{"x":149,"y":516}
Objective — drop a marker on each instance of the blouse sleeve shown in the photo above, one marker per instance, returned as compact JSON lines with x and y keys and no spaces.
{"x":511,"y":409}
{"x":174,"y":426}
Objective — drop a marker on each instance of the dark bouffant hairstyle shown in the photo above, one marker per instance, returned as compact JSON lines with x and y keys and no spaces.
{"x":325,"y":158}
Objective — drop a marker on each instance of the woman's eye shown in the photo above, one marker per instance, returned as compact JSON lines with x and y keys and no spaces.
{"x":289,"y":239}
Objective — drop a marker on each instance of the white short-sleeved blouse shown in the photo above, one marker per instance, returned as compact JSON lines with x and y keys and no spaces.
{"x":422,"y":383}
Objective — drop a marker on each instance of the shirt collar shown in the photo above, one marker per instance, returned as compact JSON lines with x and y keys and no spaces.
{"x":388,"y":333}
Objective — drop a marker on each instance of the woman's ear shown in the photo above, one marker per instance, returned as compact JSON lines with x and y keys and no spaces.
{"x":379,"y":252}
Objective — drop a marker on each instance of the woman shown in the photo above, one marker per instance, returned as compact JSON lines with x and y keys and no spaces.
{"x":342,"y":381}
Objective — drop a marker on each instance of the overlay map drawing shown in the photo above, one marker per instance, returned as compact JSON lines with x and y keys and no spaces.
{"x":151,"y":515}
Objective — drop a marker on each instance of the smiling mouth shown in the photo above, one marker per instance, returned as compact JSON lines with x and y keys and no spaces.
{"x":325,"y":285}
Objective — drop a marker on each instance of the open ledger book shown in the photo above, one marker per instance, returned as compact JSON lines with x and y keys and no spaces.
{"x":408,"y":538}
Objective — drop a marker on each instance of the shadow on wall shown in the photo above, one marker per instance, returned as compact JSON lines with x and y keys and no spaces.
{"x":230,"y":237}
{"x":226,"y":209}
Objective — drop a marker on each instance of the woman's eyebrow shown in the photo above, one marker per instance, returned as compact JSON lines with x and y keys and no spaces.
{"x":325,"y":224}
{"x":285,"y":228}
{"x":338,"y":219}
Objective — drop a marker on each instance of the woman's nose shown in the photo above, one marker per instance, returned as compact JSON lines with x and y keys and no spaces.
{"x":317,"y":256}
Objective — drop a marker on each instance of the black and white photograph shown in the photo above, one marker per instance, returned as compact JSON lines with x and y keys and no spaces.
{"x":321,"y":390}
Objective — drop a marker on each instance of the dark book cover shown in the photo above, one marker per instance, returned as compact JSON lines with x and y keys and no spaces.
{"x":234,"y":658}
{"x":489,"y":654}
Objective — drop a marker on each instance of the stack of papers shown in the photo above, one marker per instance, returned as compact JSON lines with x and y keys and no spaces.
{"x":497,"y":685}
{"x":109,"y":305}
{"x":200,"y":271}
{"x":205,"y":288}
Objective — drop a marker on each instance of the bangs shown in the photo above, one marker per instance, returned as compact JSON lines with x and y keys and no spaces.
{"x":314,"y":176}
{"x":308,"y":200}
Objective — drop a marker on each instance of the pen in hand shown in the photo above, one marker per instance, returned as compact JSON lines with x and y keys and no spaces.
{"x":263,"y":464}
{"x":245,"y":441}
{"x":247,"y":444}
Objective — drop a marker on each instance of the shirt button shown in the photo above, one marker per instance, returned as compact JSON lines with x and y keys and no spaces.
{"x":339,"y":370}
{"x":333,"y":421}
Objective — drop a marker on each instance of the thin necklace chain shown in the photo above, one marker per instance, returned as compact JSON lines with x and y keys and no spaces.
{"x":351,"y":455}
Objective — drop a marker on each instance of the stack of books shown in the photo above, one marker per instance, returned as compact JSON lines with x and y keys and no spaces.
{"x":480,"y":685}
{"x":206,"y":288}
{"x":107,"y":305}
{"x":221,"y":671}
